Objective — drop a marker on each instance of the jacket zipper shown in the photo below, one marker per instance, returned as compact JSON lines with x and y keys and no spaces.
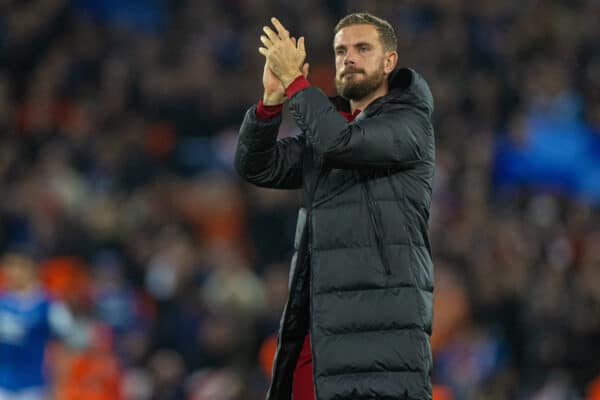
{"x":306,"y":258}
{"x":310,"y":281}
{"x":375,"y":217}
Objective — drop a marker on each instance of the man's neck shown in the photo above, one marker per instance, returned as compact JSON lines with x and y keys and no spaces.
{"x":364,"y":102}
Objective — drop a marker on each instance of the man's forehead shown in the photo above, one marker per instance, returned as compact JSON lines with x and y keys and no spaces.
{"x":352,"y":34}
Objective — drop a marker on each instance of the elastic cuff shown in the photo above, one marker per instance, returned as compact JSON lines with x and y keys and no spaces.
{"x":298,"y":84}
{"x":268,"y":112}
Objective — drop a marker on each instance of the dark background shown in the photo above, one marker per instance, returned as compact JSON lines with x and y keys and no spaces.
{"x":118,"y":123}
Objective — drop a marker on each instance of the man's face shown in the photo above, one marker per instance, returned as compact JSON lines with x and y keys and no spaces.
{"x":19,"y":270}
{"x":359,"y":61}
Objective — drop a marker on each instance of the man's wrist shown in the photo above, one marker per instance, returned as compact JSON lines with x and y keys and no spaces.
{"x":273,"y":99}
{"x":289,"y":78}
{"x":297,"y":85}
{"x":265,"y":111}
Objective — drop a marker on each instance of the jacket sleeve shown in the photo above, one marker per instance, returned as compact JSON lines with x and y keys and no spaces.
{"x":265,"y":161}
{"x":390,"y":139}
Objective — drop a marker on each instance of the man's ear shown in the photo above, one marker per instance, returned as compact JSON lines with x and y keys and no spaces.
{"x":390,"y":61}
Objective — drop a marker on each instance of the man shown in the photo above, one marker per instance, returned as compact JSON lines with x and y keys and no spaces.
{"x":361,"y":279}
{"x":28,"y":319}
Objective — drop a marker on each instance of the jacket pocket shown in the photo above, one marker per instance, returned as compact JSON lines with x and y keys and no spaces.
{"x":376,"y":225}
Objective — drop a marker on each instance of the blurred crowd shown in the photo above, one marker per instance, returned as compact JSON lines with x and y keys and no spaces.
{"x":118,"y":123}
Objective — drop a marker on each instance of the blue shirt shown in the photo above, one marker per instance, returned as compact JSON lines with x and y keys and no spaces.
{"x":27,"y":323}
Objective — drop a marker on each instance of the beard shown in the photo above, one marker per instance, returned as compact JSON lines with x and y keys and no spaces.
{"x":353,"y":89}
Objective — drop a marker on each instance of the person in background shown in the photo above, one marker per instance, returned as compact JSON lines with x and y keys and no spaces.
{"x":29,"y":320}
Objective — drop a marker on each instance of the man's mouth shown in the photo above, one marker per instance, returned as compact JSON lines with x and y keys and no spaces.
{"x":350,"y":73}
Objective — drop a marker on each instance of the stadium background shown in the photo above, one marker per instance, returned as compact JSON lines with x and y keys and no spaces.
{"x":118,"y":124}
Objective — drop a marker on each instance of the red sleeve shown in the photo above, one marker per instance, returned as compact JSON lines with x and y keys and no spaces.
{"x":267,"y":112}
{"x":298,"y":84}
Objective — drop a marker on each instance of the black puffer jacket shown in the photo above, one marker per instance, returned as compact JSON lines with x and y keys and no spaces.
{"x":361,"y":278}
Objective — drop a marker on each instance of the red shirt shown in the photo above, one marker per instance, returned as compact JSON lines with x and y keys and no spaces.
{"x":302,"y":386}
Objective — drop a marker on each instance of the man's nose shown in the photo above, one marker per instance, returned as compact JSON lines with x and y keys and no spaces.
{"x":349,"y":58}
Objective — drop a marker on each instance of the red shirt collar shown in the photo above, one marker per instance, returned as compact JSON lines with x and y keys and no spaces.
{"x":350,"y":117}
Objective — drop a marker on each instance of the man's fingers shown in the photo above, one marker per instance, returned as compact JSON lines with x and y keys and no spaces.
{"x":301,"y":44}
{"x":263,"y":51}
{"x":305,"y":70}
{"x":293,"y":40}
{"x":271,"y":33}
{"x":283,"y":33}
{"x":266,"y":41}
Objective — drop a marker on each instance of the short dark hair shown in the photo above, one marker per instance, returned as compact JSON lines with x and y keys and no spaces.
{"x":386,"y":32}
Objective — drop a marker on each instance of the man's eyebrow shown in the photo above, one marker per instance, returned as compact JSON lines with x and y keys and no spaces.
{"x":343,"y":46}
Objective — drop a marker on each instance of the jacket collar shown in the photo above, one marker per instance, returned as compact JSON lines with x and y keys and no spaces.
{"x":405,"y":86}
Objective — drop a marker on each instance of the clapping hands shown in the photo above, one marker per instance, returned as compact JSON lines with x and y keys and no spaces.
{"x":284,"y":61}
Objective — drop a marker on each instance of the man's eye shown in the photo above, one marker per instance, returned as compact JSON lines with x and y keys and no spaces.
{"x":340,"y":52}
{"x":363,"y":48}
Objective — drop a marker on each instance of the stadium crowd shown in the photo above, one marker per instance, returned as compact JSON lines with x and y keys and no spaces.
{"x":118,"y":122}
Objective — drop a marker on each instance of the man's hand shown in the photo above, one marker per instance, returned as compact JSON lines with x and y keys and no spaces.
{"x":274,"y":93}
{"x":284,"y":56}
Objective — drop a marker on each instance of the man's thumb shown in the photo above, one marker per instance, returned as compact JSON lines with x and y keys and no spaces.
{"x":305,"y":70}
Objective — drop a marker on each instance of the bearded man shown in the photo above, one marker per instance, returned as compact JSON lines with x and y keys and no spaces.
{"x":358,"y":317}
